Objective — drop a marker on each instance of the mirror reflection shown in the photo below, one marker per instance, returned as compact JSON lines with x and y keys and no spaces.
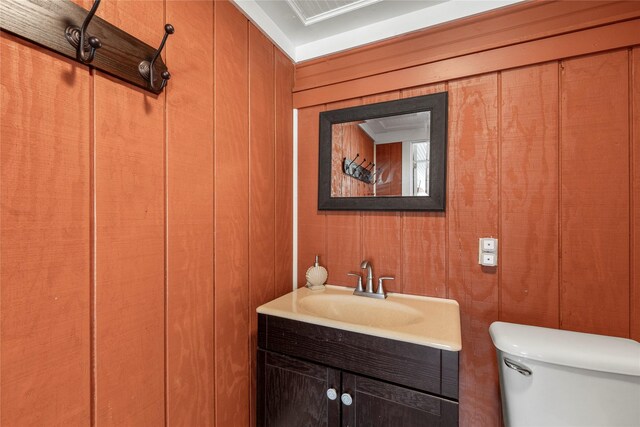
{"x":384,"y":156}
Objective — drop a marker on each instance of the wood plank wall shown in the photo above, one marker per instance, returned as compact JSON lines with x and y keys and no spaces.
{"x":139,"y":232}
{"x":506,"y":26}
{"x":45,"y":247}
{"x":129,"y":240}
{"x":545,"y":158}
{"x":350,"y":142}
{"x":389,"y":162}
{"x":189,"y":190}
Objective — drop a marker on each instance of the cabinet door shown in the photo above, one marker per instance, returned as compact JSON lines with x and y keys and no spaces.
{"x":293,"y":393}
{"x":380,"y":404}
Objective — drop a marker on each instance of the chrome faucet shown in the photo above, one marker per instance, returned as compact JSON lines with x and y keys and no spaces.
{"x":366,"y":264}
{"x":368,"y":291}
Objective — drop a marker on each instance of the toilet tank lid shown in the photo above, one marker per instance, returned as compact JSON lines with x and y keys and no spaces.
{"x":576,"y":349}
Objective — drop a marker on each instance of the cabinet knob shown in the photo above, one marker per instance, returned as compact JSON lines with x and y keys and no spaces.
{"x":346,"y":399}
{"x":332,"y":394}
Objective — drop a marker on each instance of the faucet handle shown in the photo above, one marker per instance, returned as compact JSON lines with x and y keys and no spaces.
{"x":380,"y":290}
{"x":359,"y":288}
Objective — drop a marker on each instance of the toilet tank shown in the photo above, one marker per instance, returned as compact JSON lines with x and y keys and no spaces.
{"x":550,"y":377}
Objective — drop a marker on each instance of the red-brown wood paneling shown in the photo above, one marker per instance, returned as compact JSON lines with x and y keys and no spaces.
{"x":340,"y":148}
{"x":354,"y":144}
{"x":311,"y":222}
{"x":109,"y":220}
{"x":129,"y":255}
{"x":389,"y":162}
{"x":344,"y":247}
{"x":597,"y":39}
{"x":506,"y":26}
{"x":395,"y":168}
{"x":529,"y":195}
{"x":635,"y":167}
{"x":261,"y":187}
{"x":344,"y":228}
{"x":532,"y":162}
{"x":189,"y":169}
{"x":365,"y":146}
{"x":232,"y":216}
{"x":383,"y":169}
{"x":594,"y":168}
{"x":349,"y":143}
{"x":424,"y":238}
{"x":44,"y":224}
{"x":472,"y":208}
{"x":284,"y":173}
{"x":130,"y":232}
{"x":382,"y":231}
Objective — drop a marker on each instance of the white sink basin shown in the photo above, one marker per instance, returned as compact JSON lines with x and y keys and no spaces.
{"x":433,"y":322}
{"x":359,"y":310}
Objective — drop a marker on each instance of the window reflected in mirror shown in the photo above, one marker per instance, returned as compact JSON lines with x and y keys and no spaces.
{"x":420,"y":167}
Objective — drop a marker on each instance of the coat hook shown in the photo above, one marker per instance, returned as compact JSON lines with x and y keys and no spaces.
{"x":376,"y":175}
{"x":146,"y":68}
{"x":81,"y":40}
{"x":354,"y":159}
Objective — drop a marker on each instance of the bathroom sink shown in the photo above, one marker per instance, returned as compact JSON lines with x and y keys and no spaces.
{"x":360,"y":311}
{"x":433,"y":322}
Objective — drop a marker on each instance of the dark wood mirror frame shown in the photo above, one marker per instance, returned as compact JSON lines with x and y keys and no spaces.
{"x":437,"y":105}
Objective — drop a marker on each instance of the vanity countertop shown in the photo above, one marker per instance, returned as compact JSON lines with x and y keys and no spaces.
{"x":433,"y":322}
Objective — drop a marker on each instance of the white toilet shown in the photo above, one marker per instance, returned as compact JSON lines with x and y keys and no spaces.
{"x":550,"y":377}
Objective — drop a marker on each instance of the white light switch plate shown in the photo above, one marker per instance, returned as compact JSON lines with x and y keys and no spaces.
{"x":488,"y":251}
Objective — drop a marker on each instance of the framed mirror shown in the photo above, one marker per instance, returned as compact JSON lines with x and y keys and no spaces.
{"x":388,"y":156}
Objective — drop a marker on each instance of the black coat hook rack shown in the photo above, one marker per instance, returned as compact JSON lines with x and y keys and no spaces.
{"x":68,"y":29}
{"x":357,"y":170}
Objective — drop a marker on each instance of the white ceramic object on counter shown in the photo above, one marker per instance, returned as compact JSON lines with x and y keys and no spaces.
{"x":316,"y":276}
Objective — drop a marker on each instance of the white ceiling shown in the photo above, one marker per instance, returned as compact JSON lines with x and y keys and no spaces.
{"x":307,"y":29}
{"x":404,"y":127}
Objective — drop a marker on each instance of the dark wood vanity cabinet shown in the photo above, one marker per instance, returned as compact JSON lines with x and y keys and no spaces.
{"x":390,"y":383}
{"x":292,"y":392}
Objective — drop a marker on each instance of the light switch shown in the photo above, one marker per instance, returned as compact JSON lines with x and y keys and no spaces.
{"x":488,"y":245}
{"x":488,"y":251}
{"x":489,"y":259}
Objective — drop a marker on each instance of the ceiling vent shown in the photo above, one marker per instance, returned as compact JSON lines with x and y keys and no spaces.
{"x":312,"y":11}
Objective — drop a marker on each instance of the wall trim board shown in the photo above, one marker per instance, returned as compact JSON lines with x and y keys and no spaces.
{"x":515,"y":24}
{"x":600,"y":39}
{"x":294,"y":258}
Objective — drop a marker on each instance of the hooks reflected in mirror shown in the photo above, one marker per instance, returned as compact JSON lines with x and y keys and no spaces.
{"x":357,"y":171}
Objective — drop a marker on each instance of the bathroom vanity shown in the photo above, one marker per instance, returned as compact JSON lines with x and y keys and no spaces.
{"x":329,"y":358}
